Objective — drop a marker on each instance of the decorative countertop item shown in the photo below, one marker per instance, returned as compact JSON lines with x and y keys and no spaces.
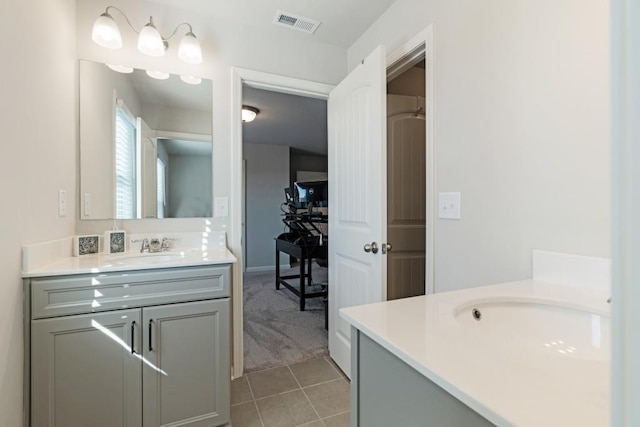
{"x":115,"y":242}
{"x":86,"y":245}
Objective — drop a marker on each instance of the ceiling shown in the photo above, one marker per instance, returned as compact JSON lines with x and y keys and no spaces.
{"x":179,"y":147}
{"x":296,"y":121}
{"x":342,"y":21}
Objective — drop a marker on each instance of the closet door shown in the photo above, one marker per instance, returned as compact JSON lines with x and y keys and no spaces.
{"x":85,"y":372}
{"x":186,"y":376}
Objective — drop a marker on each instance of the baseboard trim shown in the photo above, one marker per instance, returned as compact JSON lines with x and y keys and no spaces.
{"x":266,"y":268}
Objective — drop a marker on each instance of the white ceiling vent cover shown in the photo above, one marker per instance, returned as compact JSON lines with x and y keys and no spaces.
{"x":297,"y":22}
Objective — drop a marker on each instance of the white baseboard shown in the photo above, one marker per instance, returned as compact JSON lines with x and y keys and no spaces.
{"x":266,"y":268}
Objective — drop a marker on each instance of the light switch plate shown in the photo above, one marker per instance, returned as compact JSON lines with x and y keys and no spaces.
{"x":221,"y":207}
{"x":62,"y":203}
{"x":449,"y":205}
{"x":87,"y":204}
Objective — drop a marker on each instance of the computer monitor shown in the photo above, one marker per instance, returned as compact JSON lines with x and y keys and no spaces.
{"x":311,"y":194}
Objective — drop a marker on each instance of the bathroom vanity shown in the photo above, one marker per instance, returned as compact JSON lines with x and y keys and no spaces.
{"x":142,"y":340}
{"x":527,"y":353}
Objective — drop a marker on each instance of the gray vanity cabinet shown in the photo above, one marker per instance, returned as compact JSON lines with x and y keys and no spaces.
{"x":158,"y":354}
{"x":83,"y":372}
{"x":187,"y":364}
{"x":386,"y":391}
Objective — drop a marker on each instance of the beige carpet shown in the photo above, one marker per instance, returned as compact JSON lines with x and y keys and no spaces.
{"x":276,"y":332}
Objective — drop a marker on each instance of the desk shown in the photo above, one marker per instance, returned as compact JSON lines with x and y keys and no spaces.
{"x":305,"y":254}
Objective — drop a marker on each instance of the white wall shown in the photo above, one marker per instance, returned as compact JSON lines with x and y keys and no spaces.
{"x":267,"y":175}
{"x":38,"y":155}
{"x":522,"y":120}
{"x":161,"y":117}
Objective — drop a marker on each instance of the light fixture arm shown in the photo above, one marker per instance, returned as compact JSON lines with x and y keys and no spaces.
{"x":165,"y":40}
{"x":176,"y":30}
{"x":125,"y":17}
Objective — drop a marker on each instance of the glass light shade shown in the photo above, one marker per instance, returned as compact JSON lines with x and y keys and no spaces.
{"x":249,"y":113}
{"x":150,"y":41}
{"x":189,"y":50}
{"x":191,"y":80}
{"x":160,"y":75}
{"x":106,"y":32}
{"x":121,"y":68}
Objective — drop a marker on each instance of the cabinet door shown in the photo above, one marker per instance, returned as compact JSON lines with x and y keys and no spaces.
{"x":186,"y":376}
{"x":83,"y":371}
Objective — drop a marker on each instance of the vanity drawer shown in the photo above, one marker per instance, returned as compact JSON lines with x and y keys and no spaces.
{"x":66,"y":295}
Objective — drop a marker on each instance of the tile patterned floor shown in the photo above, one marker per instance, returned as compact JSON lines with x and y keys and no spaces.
{"x":314,"y":393}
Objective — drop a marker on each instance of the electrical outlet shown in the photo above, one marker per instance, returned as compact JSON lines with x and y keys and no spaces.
{"x":221,"y":206}
{"x":62,"y":203}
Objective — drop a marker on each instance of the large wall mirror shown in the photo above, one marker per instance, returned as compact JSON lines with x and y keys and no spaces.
{"x":145,"y":145}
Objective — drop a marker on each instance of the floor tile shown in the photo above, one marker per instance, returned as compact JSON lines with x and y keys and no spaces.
{"x":329,"y":398}
{"x":335,"y":366}
{"x":245,"y":415}
{"x":313,"y":424}
{"x":272,"y":381}
{"x":240,"y":391}
{"x":341,"y":420}
{"x":314,"y":371}
{"x":286,"y":410}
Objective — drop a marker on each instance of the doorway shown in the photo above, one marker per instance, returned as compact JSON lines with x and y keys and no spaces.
{"x":422,"y":42}
{"x":406,"y":180}
{"x":275,"y":83}
{"x":286,"y":143}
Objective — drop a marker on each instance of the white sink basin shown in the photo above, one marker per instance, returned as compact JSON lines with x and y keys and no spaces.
{"x":536,"y":326}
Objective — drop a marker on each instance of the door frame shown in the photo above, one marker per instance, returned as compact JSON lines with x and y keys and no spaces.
{"x":625,"y":174}
{"x":274,"y":83}
{"x":311,"y":89}
{"x":394,"y":59}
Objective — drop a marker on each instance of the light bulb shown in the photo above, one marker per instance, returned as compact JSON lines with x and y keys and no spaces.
{"x":249,"y":113}
{"x":150,"y":41}
{"x":191,"y":80}
{"x":121,"y":68}
{"x":189,"y":50}
{"x":106,"y":32}
{"x":160,"y":75}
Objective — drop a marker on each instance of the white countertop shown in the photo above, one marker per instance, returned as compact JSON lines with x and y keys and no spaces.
{"x":532,"y":370}
{"x":101,"y":263}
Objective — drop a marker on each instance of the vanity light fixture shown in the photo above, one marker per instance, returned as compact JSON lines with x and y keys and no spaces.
{"x":191,"y":80}
{"x":150,"y":42}
{"x":249,"y":113}
{"x":160,"y":75}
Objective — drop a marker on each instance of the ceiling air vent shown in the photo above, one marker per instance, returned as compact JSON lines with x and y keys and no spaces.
{"x":296,"y":22}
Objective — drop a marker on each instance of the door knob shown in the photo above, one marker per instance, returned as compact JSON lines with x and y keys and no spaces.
{"x":386,"y":247}
{"x":371,"y":247}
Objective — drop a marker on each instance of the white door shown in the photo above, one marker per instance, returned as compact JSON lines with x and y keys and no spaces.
{"x":357,"y":197}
